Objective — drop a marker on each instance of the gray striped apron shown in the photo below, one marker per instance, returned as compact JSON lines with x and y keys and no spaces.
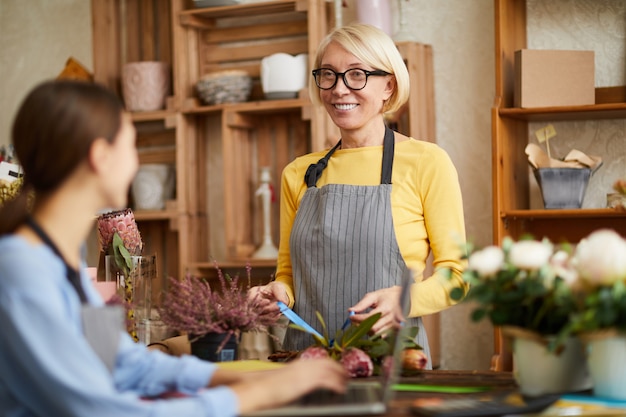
{"x":343,"y":245}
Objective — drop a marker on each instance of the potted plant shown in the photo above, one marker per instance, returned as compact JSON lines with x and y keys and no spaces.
{"x":213,"y":318}
{"x":600,"y":319}
{"x":524,"y":287}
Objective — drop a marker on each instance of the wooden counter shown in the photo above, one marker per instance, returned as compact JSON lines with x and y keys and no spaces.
{"x":400,"y":405}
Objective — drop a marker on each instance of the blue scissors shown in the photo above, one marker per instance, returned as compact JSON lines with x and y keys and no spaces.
{"x":296,"y":319}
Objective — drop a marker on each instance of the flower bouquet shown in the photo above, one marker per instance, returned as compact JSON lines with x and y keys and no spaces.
{"x":600,"y":316}
{"x":192,"y":306}
{"x":121,"y":261}
{"x":525,"y":287}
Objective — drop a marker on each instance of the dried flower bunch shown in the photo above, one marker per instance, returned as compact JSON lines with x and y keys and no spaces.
{"x":362,"y":354}
{"x":191,"y":306}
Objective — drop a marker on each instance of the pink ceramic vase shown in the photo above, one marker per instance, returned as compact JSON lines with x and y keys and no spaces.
{"x":145,"y":85}
{"x":376,"y":13}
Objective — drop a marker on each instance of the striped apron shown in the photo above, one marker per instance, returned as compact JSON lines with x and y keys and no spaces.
{"x":343,"y":245}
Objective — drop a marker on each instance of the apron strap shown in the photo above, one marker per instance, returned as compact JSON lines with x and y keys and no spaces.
{"x":314,"y":171}
{"x":72,"y":274}
{"x":388,"y":150}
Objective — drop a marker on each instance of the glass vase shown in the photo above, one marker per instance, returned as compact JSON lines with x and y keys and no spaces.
{"x":135,"y":292}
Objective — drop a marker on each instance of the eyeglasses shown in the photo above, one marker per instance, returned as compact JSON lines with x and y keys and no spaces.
{"x":354,"y":79}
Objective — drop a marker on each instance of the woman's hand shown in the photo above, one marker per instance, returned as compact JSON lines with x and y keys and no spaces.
{"x":267,"y":296}
{"x":385,"y":301}
{"x":281,"y":386}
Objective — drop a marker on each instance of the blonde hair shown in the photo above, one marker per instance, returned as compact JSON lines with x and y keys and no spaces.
{"x":376,"y":49}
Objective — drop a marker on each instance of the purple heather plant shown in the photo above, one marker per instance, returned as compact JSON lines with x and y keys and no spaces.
{"x":191,"y":306}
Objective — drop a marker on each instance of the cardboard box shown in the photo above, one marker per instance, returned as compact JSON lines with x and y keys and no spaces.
{"x":545,"y":78}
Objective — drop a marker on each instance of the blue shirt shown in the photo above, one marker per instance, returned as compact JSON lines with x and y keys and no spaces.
{"x":47,"y":367}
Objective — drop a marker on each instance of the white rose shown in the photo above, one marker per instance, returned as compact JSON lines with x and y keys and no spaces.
{"x":601,"y":258}
{"x":530,"y":254}
{"x":562,"y":266}
{"x":486,"y":262}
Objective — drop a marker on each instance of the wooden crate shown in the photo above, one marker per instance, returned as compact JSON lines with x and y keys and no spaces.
{"x":238,"y":37}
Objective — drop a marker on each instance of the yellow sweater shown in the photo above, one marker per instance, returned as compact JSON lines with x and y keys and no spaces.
{"x":426,"y":206}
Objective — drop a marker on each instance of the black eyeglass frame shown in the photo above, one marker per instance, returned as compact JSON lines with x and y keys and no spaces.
{"x":343,"y":77}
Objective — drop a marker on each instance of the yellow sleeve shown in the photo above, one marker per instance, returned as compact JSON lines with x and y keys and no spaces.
{"x":441,"y":208}
{"x":288,"y":208}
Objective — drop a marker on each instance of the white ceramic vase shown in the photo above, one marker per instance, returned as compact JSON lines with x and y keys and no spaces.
{"x":283,"y":75}
{"x":607,"y":364}
{"x":539,"y":371}
{"x":153,"y":186}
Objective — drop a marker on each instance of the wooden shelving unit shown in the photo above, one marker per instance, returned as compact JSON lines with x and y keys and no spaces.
{"x":512,"y":215}
{"x":218,"y":150}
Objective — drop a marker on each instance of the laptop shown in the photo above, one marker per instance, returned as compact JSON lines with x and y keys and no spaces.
{"x":369,"y":397}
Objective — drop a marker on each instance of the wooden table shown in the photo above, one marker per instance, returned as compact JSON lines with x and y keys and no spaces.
{"x":496,"y":380}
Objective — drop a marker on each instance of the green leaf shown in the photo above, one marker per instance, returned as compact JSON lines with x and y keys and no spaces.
{"x":319,"y":341}
{"x":121,"y":255}
{"x":354,"y":333}
{"x":323,"y":323}
{"x":457,"y":293}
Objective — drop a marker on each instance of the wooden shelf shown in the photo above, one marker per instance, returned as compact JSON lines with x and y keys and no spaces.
{"x":590,"y":112}
{"x":259,"y":106}
{"x":563,"y":214}
{"x":155,"y":215}
{"x":190,"y":17}
{"x":229,"y":264}
{"x":151,"y":116}
{"x":510,"y":135}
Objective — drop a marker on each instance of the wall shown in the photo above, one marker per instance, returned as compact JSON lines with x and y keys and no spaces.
{"x":36,"y":37}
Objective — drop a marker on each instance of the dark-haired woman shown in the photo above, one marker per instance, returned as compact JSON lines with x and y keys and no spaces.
{"x":77,"y":149}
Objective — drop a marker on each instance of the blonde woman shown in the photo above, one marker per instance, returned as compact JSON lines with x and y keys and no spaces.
{"x":354,"y":217}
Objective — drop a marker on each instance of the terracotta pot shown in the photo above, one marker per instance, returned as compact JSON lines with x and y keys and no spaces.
{"x":145,"y":85}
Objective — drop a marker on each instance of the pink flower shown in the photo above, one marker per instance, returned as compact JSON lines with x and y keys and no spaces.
{"x":122,"y":222}
{"x":357,"y":363}
{"x":314,"y":352}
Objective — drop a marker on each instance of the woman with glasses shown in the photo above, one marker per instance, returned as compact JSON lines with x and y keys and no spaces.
{"x":354,"y":217}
